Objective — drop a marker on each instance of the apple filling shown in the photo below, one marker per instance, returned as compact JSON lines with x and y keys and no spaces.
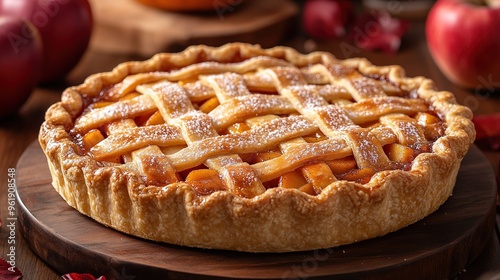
{"x":142,"y":129}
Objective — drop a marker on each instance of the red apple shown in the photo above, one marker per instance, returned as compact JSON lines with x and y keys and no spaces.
{"x":377,"y":30}
{"x":20,"y":63}
{"x":463,"y":40}
{"x":498,"y":186}
{"x":65,"y":27}
{"x":327,"y":19}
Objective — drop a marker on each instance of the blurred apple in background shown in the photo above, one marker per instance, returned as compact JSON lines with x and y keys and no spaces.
{"x":65,"y":27}
{"x":327,"y":19}
{"x":20,"y":62}
{"x":464,"y":40}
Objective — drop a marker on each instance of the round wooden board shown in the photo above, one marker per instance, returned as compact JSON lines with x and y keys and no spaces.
{"x":438,"y":247}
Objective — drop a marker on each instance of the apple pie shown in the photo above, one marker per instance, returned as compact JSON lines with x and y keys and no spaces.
{"x":259,"y":150}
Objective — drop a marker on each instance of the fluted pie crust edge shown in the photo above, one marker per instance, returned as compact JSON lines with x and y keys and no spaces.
{"x":279,"y":220}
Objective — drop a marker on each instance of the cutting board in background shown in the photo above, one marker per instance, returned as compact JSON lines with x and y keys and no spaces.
{"x":131,"y":28}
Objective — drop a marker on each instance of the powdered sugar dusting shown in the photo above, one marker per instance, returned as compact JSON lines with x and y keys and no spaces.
{"x":307,"y":96}
{"x":366,"y":88}
{"x":228,"y":85}
{"x":196,"y":126}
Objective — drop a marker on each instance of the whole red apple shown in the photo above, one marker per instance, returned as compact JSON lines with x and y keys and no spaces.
{"x":65,"y":28}
{"x":327,"y":19}
{"x":463,"y":40}
{"x":20,"y":63}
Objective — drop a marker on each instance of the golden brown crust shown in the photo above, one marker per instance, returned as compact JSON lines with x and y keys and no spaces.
{"x":276,"y":220}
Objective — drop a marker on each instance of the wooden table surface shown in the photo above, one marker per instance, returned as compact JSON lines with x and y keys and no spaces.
{"x":17,"y":133}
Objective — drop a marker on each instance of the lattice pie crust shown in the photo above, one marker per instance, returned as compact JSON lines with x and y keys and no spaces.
{"x":259,"y":150}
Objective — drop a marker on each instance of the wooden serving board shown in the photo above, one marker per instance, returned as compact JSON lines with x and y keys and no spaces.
{"x":129,"y":27}
{"x":438,"y":247}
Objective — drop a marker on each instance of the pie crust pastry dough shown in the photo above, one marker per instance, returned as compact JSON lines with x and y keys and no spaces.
{"x":258,"y":150}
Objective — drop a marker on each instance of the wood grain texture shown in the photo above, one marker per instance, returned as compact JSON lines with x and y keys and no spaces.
{"x":148,"y":30}
{"x":438,"y":247}
{"x":16,"y":134}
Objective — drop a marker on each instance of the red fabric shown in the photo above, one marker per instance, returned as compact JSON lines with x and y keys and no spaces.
{"x":81,"y":276}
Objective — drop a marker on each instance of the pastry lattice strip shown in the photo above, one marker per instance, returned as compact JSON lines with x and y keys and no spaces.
{"x":199,"y":132}
{"x":176,"y":108}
